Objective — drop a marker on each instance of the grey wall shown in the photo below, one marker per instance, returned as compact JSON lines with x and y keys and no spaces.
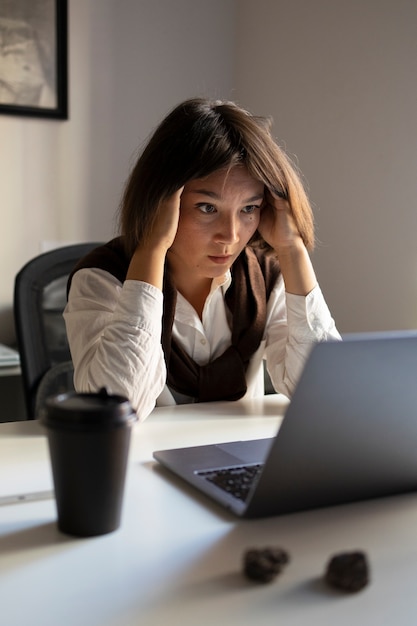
{"x":339,"y":78}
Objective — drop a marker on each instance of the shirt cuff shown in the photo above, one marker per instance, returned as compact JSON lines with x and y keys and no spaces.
{"x":308,"y":317}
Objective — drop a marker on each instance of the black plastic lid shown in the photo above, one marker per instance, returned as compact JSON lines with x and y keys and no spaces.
{"x":94,"y":409}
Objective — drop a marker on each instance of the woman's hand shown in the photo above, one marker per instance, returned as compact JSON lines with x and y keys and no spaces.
{"x":148,"y":260}
{"x":165,"y":225}
{"x":277,"y":226}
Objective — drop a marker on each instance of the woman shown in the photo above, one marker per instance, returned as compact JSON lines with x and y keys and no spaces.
{"x":211,"y":274}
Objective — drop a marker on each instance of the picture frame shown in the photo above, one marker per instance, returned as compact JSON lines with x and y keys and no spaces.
{"x":34,"y":58}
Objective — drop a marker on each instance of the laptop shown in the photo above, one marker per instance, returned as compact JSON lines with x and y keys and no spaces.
{"x":348,"y":434}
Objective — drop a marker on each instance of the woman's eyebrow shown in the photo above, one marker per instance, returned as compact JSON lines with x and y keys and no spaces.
{"x":256,"y":197}
{"x":206,"y":192}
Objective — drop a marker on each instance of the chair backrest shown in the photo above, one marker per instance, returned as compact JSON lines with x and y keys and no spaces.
{"x":40,"y":296}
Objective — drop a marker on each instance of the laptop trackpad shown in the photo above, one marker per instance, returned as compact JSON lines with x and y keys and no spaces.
{"x":253,"y":451}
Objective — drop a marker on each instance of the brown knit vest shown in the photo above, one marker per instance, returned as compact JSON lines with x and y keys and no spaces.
{"x":254,"y":274}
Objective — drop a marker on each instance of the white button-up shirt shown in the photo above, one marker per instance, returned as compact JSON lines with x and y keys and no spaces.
{"x":114,"y":332}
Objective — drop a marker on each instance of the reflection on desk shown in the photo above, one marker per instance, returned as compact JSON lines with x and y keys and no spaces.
{"x":177,"y":558}
{"x":10,"y":370}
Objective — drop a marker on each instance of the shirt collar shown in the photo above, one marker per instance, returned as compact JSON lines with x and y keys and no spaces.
{"x":221,"y":281}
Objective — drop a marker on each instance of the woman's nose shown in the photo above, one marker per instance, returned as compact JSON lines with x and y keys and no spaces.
{"x":228,"y":231}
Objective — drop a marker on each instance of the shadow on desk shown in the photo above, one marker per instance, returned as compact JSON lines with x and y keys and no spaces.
{"x":30,"y":538}
{"x":271,"y":405}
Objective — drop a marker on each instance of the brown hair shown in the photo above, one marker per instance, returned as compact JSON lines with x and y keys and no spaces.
{"x":197,"y":138}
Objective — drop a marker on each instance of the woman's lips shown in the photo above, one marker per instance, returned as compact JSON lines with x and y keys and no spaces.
{"x":221,"y":260}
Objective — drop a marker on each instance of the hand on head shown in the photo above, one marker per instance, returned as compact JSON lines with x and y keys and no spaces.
{"x":165,"y":224}
{"x":277,"y":225}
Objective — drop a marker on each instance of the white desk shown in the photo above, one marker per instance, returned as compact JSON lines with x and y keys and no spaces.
{"x":176,"y":560}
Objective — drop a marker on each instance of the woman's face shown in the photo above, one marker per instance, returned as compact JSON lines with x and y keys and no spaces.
{"x":218,"y":216}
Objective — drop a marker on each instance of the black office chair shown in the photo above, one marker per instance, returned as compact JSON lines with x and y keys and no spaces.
{"x":40,"y":295}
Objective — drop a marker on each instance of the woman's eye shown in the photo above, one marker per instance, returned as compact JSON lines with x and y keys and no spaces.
{"x":251,"y":208}
{"x":206,"y":208}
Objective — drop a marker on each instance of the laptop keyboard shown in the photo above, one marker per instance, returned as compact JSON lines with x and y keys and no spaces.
{"x":237,"y":481}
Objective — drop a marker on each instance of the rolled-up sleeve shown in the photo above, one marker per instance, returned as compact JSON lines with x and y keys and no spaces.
{"x":114,"y":332}
{"x":295,"y":324}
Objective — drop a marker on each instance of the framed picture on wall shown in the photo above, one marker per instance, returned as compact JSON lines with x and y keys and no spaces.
{"x":33,"y":58}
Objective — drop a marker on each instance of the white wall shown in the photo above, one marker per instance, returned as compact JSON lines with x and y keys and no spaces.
{"x":340,"y":80}
{"x":130,"y":62}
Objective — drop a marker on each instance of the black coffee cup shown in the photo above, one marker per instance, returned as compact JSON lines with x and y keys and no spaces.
{"x":89,"y":438}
